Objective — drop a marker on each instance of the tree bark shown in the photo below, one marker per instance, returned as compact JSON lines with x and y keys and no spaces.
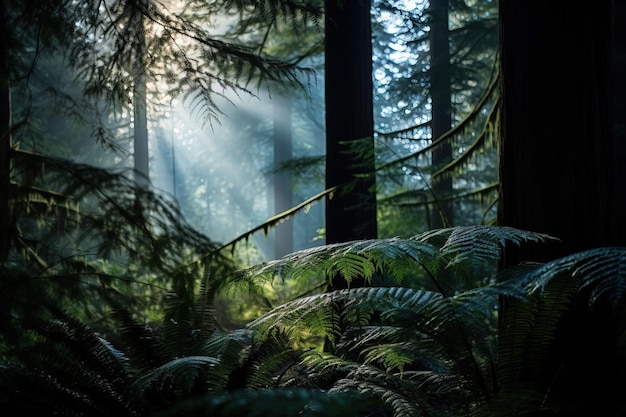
{"x":556,"y":170}
{"x":5,"y":169}
{"x":618,"y":114}
{"x":441,"y":121}
{"x":557,"y":175}
{"x":5,"y":140}
{"x":351,"y":212}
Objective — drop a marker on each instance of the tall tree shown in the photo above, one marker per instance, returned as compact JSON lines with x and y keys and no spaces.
{"x":140,"y":100}
{"x":557,"y":175}
{"x":618,"y":104}
{"x":5,"y":153}
{"x":441,"y":119}
{"x":556,"y":169}
{"x":27,"y":31}
{"x":283,"y":188}
{"x":351,"y":212}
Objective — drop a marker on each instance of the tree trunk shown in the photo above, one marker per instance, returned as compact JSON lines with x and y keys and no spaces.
{"x":351,"y":212}
{"x":557,"y":175}
{"x":140,"y":131}
{"x":283,"y":192}
{"x":5,"y":168}
{"x":556,"y":170}
{"x":618,"y":113}
{"x":5,"y":140}
{"x":441,"y":121}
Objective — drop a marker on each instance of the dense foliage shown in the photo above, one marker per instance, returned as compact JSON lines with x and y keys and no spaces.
{"x":112,"y":303}
{"x":432,"y":348}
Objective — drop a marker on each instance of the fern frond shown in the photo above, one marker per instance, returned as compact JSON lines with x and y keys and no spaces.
{"x":360,"y":337}
{"x":314,"y":314}
{"x":28,"y":391}
{"x":398,"y":257}
{"x":391,"y":356}
{"x":529,"y":327}
{"x":68,"y":341}
{"x":270,"y":361}
{"x":71,"y":371}
{"x":228,"y":345}
{"x":478,"y":246}
{"x":142,"y":346}
{"x":205,"y":315}
{"x":553,"y":303}
{"x":404,"y":396}
{"x":603,"y":271}
{"x":462,"y":250}
{"x":183,"y":373}
{"x":398,"y":404}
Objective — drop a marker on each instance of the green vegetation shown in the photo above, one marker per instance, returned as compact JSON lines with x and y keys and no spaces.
{"x":436,"y":347}
{"x":114,"y":301}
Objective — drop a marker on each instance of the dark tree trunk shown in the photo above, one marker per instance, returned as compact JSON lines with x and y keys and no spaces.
{"x":557,"y":175}
{"x":5,"y":139}
{"x":618,"y":113}
{"x":5,"y":169}
{"x":441,"y":109}
{"x":351,"y":212}
{"x":556,"y":170}
{"x":283,"y":192}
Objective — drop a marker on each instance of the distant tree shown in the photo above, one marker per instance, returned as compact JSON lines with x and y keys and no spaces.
{"x":441,"y":98}
{"x":70,"y":232}
{"x":27,"y":31}
{"x":283,"y":180}
{"x":141,"y":155}
{"x":426,"y":66}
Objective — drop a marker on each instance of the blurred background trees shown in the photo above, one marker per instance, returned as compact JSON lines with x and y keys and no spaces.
{"x":232,"y":133}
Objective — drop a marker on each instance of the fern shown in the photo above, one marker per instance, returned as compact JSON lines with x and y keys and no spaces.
{"x":315,"y":314}
{"x":601,"y":270}
{"x":73,"y":372}
{"x":407,"y":351}
{"x":476,"y":247}
{"x":269,"y":363}
{"x":470,"y":248}
{"x":184,"y":373}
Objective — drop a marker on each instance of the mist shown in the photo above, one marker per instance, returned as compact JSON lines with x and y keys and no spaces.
{"x":223,"y":172}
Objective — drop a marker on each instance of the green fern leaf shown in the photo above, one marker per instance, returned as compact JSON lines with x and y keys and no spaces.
{"x":603,"y":270}
{"x":479,"y":246}
{"x":183,"y":373}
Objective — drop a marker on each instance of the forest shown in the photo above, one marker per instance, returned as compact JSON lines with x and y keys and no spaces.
{"x":384,"y":208}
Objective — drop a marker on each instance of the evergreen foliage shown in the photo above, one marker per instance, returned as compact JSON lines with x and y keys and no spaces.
{"x":88,"y":238}
{"x":406,"y":170}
